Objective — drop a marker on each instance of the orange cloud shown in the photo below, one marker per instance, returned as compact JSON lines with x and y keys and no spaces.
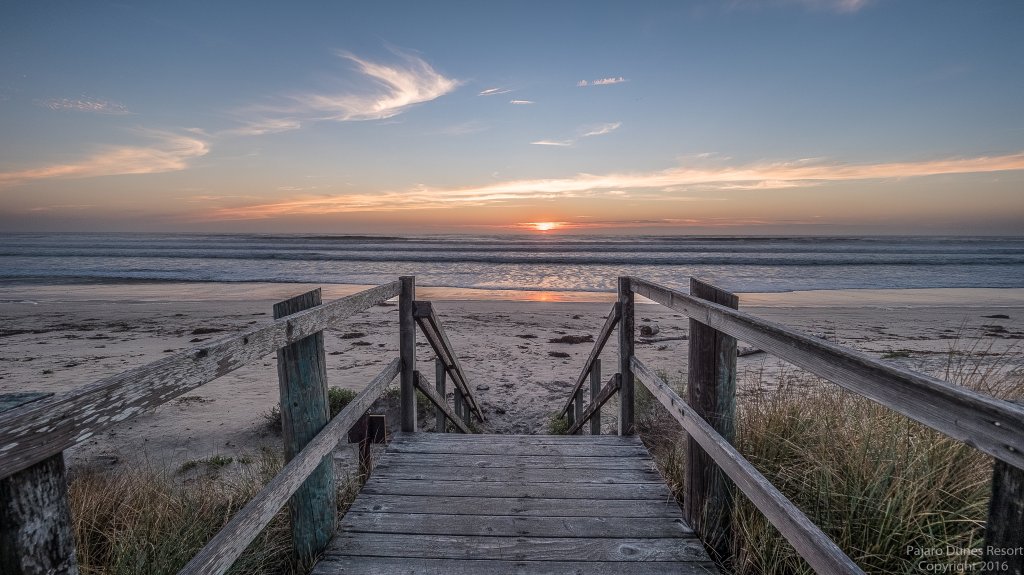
{"x":666,"y":185}
{"x":171,"y":154}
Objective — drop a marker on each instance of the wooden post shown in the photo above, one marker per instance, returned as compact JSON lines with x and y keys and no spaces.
{"x":407,"y":351}
{"x":626,"y":426}
{"x":570,"y":414}
{"x":302,"y":378}
{"x":440,"y":374}
{"x":35,"y":520}
{"x":578,"y":403}
{"x":459,"y":403}
{"x":595,"y":389}
{"x":1004,"y":531}
{"x":712,"y":395}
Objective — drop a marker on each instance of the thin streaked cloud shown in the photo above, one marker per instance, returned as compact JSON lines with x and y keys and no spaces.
{"x":601,"y":129}
{"x":494,"y":91}
{"x":170,"y":153}
{"x":601,"y":81}
{"x":557,"y":143}
{"x":521,"y":102}
{"x":661,"y":184}
{"x":95,"y":106}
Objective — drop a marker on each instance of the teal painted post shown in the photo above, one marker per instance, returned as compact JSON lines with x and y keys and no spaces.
{"x":302,"y":378}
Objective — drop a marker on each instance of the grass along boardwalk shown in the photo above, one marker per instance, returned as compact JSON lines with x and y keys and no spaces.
{"x":537,"y":481}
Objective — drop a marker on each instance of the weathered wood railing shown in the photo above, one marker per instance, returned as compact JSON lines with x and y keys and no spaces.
{"x":994,"y":426}
{"x":35,"y":429}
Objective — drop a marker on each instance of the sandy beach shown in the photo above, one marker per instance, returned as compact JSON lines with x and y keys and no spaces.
{"x":59,"y":337}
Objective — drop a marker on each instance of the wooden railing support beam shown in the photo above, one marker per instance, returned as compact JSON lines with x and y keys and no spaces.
{"x":712,"y":395}
{"x":441,"y":374}
{"x":626,"y":426}
{"x":407,"y":351}
{"x":1004,"y":532}
{"x":595,"y":390}
{"x":302,"y":379}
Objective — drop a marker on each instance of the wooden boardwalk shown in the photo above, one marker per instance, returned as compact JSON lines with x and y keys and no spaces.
{"x":457,"y":504}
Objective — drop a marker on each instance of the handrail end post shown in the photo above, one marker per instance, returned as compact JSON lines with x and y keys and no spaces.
{"x":407,"y":351}
{"x":626,"y":346}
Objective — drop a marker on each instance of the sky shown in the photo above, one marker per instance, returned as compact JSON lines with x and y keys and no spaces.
{"x":683,"y":117}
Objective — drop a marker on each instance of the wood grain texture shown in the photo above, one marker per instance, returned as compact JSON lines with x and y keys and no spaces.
{"x":33,"y":432}
{"x":522,"y":506}
{"x":626,"y":341}
{"x":346,"y":565}
{"x":433,"y":330}
{"x":442,"y":406}
{"x":221,"y":552}
{"x":440,"y":379}
{"x":596,"y":464}
{"x":526,"y":475}
{"x":1004,"y":532}
{"x":509,"y":489}
{"x":498,"y":449}
{"x":407,"y":353}
{"x":36,"y":537}
{"x":820,"y":552}
{"x":513,"y":525}
{"x":711,"y":392}
{"x":595,"y":391}
{"x":986,"y":423}
{"x":302,"y":381}
{"x":595,"y":353}
{"x":595,"y":406}
{"x":516,"y":548}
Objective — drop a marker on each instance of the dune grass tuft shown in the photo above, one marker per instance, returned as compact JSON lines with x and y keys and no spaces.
{"x":873,"y":480}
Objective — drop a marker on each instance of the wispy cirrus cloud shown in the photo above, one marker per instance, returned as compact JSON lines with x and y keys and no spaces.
{"x":584,"y":132}
{"x":92,"y":105}
{"x":601,"y":81}
{"x":521,"y":102}
{"x":494,"y":91}
{"x":169,"y":153}
{"x":400,"y":85}
{"x":558,"y":143}
{"x":389,"y":89}
{"x":601,"y":129}
{"x":662,"y":184}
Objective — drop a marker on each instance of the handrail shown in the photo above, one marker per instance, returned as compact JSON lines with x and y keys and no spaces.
{"x":217,"y":556}
{"x":33,"y":432}
{"x":595,"y":404}
{"x":424,"y":385}
{"x":602,"y":338}
{"x":430,"y":325}
{"x":820,"y":552}
{"x":991,"y":425}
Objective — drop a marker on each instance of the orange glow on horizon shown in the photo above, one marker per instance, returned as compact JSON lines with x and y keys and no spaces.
{"x":544,"y":226}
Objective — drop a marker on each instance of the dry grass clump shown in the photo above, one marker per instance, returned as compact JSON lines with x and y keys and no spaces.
{"x":132,"y":521}
{"x":873,"y":480}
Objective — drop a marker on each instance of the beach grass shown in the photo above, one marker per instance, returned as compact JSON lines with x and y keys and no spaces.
{"x":131,"y":521}
{"x":883,"y":487}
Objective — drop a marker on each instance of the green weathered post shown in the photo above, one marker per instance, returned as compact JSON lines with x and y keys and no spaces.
{"x":407,"y":352}
{"x":35,"y":520}
{"x":302,"y":378}
{"x":712,"y":394}
{"x":626,"y":426}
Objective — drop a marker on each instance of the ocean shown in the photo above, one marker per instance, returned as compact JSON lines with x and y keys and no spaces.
{"x":544,"y":263}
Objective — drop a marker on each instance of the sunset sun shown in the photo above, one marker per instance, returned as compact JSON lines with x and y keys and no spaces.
{"x":545,"y":226}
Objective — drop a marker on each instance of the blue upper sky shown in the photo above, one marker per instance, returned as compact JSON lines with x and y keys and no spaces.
{"x":816,"y":116}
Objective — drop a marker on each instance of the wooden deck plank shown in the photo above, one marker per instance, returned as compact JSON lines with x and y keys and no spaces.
{"x":346,"y":565}
{"x":517,"y":461}
{"x":459,"y":504}
{"x":451,"y":448}
{"x":513,"y":525}
{"x":532,"y":475}
{"x":507,"y":489}
{"x":516,"y":548}
{"x":536,"y":507}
